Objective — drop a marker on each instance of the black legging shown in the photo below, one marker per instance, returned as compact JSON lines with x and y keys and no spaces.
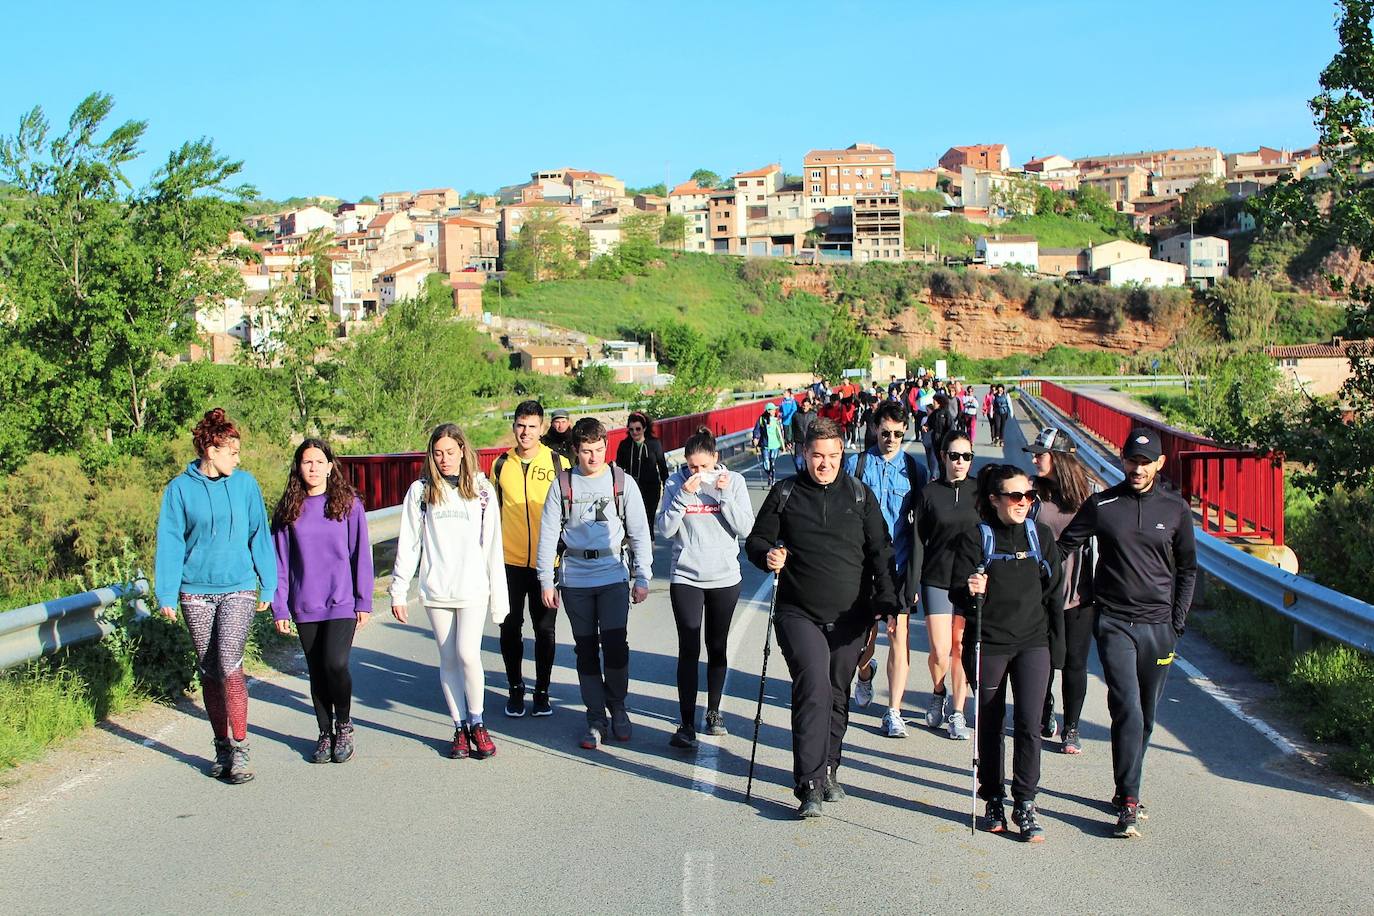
{"x":1029,"y":671}
{"x":1078,"y":643}
{"x":690,"y":605}
{"x":999,"y":424}
{"x":522,"y":585}
{"x":327,"y":645}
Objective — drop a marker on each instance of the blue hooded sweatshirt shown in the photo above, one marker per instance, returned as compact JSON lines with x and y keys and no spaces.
{"x":213,"y":538}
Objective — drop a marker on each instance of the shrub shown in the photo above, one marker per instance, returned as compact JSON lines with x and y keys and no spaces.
{"x":1012,"y":285}
{"x":1042,"y":300}
{"x":594,"y":381}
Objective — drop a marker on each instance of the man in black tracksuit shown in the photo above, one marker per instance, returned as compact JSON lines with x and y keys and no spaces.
{"x":836,"y":546}
{"x":1146,"y":570}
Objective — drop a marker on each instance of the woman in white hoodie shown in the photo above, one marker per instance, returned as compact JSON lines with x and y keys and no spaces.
{"x":451,"y":533}
{"x":705,"y":511}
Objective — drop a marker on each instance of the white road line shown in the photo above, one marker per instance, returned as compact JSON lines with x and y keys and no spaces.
{"x":1274,"y":736}
{"x":699,"y":882}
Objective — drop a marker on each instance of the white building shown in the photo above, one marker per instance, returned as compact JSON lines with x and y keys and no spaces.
{"x":404,"y":281}
{"x":1109,"y":253}
{"x":304,"y":221}
{"x":1206,"y":257}
{"x":604,"y":237}
{"x":1143,"y":272}
{"x":1002,"y":250}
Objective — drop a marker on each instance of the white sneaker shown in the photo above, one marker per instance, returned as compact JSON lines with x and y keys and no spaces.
{"x":863,"y":689}
{"x":958,"y":729}
{"x":893,"y":726}
{"x":935,"y":710}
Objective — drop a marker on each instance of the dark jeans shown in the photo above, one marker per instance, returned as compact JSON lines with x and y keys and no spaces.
{"x":1136,"y":658}
{"x":690,"y":606}
{"x":327,"y":645}
{"x":821,"y":662}
{"x":522,"y":585}
{"x":1078,"y":643}
{"x":1028,"y":670}
{"x":598,"y":617}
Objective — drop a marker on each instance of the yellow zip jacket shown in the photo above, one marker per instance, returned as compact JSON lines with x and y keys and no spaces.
{"x":521,"y":489}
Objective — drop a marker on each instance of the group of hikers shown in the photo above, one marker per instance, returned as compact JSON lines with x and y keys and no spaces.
{"x":1015,"y":576}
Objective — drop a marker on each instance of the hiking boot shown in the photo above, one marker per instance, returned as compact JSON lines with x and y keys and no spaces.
{"x":684,"y":737}
{"x":223,"y":750}
{"x":958,"y":727}
{"x":515,"y":706}
{"x":593,"y":738}
{"x":482,"y":748}
{"x":237,"y":773}
{"x":811,"y":798}
{"x":460,"y":749}
{"x":832,"y":791}
{"x":324,"y":748}
{"x":621,"y":729}
{"x":1050,"y":727}
{"x":715,"y":723}
{"x":995,"y":817}
{"x":893,"y":726}
{"x":863,"y":689}
{"x":1141,"y":814}
{"x":1024,"y":816}
{"x":1072,"y":743}
{"x":542,"y":706}
{"x":343,"y":742}
{"x":935,"y":710}
{"x":1127,"y":820}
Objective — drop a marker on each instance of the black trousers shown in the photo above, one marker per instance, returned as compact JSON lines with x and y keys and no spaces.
{"x":1029,"y":672}
{"x":692,"y":607}
{"x":327,"y":645}
{"x":1078,"y":644}
{"x":522,"y":585}
{"x":999,"y":424}
{"x":821,"y":661}
{"x":1136,"y":658}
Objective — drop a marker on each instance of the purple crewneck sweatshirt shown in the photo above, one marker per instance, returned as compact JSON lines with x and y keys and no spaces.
{"x":325,"y":567}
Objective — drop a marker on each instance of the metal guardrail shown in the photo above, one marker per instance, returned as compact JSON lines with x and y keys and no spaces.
{"x":1331,"y":613}
{"x":1128,"y":381}
{"x":29,"y":632}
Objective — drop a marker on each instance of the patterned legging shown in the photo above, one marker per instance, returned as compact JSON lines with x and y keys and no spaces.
{"x":219,"y":628}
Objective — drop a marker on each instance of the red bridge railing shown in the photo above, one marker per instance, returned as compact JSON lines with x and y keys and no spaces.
{"x":1240,"y":493}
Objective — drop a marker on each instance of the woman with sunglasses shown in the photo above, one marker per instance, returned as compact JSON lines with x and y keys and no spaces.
{"x":1010,"y":560}
{"x":941,"y":513}
{"x":640,"y":455}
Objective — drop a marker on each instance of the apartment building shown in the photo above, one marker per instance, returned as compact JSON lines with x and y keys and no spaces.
{"x":1206,"y":258}
{"x":877,"y":225}
{"x":304,"y":221}
{"x":992,"y":156}
{"x":1121,"y":184}
{"x":393,"y":201}
{"x":693,"y":202}
{"x":436,"y":200}
{"x":465,"y":243}
{"x":726,"y":223}
{"x":404,"y":281}
{"x":858,"y":169}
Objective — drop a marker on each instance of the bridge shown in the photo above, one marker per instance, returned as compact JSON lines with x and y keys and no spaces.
{"x":124,"y":821}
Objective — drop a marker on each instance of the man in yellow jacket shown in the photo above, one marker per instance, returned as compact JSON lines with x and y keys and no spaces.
{"x":522,"y":477}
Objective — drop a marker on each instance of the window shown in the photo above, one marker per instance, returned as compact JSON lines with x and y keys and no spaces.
{"x":887,"y":186}
{"x":815,"y":189}
{"x":815,"y":173}
{"x":722,"y":228}
{"x":845,"y":186}
{"x":699,"y":230}
{"x":845,"y":172}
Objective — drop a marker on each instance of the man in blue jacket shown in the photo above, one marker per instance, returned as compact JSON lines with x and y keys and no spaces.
{"x":895,"y":477}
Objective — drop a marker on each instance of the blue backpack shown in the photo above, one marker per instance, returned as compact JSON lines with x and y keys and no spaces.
{"x":1032,"y":537}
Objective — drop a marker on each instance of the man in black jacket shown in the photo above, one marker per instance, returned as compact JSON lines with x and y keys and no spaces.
{"x":1143,"y":584}
{"x":835,"y":546}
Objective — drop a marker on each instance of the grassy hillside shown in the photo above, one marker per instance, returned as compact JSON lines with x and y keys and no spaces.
{"x":956,"y":235}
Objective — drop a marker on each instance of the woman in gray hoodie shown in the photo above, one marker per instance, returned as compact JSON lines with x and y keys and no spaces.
{"x":704,"y":513}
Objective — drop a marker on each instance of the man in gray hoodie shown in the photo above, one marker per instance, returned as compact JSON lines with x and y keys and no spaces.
{"x":594,"y":518}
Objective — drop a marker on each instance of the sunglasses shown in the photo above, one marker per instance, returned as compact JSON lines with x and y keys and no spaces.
{"x":892,"y":433}
{"x":960,"y":456}
{"x":1018,"y":496}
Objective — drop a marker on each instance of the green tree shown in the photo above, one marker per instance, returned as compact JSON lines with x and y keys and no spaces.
{"x":639,"y":235}
{"x":544,"y":248}
{"x":845,"y":347}
{"x":100,"y":280}
{"x":1247,"y":310}
{"x":1201,"y":198}
{"x":674,"y":230}
{"x":705,"y":178}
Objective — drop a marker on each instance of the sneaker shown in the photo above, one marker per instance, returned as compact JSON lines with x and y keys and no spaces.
{"x":515,"y":706}
{"x":1127,"y":820}
{"x":1072,"y":743}
{"x":863,"y":689}
{"x":715,"y":723}
{"x":621,"y":729}
{"x":593,"y":738}
{"x":893,"y":726}
{"x":324,"y":748}
{"x":958,"y":728}
{"x":811,"y":799}
{"x":542,"y":706}
{"x":935,"y":710}
{"x":1024,"y":816}
{"x":1050,"y":727}
{"x":995,"y":817}
{"x":237,"y":772}
{"x":343,"y":742}
{"x":482,"y":748}
{"x":460,"y":750}
{"x":832,"y":791}
{"x":223,"y":752}
{"x":1140,"y":813}
{"x":684,"y":737}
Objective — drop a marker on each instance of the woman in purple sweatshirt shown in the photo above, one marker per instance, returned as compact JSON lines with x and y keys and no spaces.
{"x":324,"y":585}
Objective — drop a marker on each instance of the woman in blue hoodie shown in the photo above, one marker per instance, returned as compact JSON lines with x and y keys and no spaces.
{"x":215,"y":558}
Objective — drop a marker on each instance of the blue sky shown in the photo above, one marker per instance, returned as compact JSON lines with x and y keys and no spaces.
{"x":353,"y":98}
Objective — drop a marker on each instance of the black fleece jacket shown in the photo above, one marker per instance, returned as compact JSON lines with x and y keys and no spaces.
{"x":1024,"y":606}
{"x":941,"y":512}
{"x":1147,"y":557}
{"x":835,"y":538}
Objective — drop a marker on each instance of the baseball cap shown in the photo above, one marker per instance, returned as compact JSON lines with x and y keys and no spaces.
{"x":1142,"y":443}
{"x":1050,"y":440}
{"x":770,"y":406}
{"x":559,"y":412}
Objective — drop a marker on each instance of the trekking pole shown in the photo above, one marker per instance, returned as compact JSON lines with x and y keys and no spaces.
{"x":763,"y":679}
{"x":977,"y":677}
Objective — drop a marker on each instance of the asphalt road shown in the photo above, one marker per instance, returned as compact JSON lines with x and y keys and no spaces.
{"x":125,"y":821}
